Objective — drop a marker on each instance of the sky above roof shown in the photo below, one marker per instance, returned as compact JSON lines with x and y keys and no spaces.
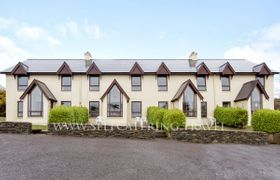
{"x":140,"y":29}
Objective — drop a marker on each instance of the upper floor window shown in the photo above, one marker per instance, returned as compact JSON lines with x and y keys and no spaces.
{"x":162,"y":83}
{"x":189,"y":102}
{"x":163,"y":104}
{"x":36,"y":102}
{"x":66,"y":103}
{"x":115,"y":104}
{"x":226,"y":104}
{"x":136,"y":107}
{"x":256,"y":100}
{"x":136,"y":83}
{"x":201,"y":83}
{"x":94,"y":108}
{"x":22,"y":83}
{"x":261,"y":79}
{"x":66,"y":83}
{"x":225,"y":83}
{"x":94,"y":83}
{"x":20,"y":108}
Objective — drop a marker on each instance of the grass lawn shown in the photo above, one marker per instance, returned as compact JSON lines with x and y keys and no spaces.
{"x":42,"y":127}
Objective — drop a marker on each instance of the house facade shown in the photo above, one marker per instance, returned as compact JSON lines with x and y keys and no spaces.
{"x":121,"y":90}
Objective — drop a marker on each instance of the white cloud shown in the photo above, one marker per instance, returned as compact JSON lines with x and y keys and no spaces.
{"x":6,"y":23}
{"x":70,"y":27}
{"x":94,"y":31}
{"x":263,"y":46}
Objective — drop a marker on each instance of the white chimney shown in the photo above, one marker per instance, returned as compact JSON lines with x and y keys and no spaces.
{"x":87,"y":56}
{"x":193,"y":56}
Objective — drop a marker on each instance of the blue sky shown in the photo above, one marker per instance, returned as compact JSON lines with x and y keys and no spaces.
{"x":140,"y":29}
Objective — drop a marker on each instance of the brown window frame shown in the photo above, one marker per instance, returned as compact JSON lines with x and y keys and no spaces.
{"x":201,"y":86}
{"x":159,"y":102}
{"x":91,"y":113}
{"x":111,"y":113}
{"x":258,"y":78}
{"x":91,"y":86}
{"x":19,"y":113}
{"x":19,"y":86}
{"x":62,"y":85}
{"x":185,"y":110}
{"x":226,"y":102}
{"x":136,"y":86}
{"x":165,"y":86}
{"x":133,"y":114}
{"x":29,"y":105}
{"x":203,"y":114}
{"x":227,"y":86}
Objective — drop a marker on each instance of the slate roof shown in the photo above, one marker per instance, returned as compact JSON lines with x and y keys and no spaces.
{"x":125,"y":65}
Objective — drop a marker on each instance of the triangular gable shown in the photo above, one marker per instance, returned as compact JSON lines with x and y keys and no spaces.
{"x":20,"y":69}
{"x":64,"y":69}
{"x":202,"y":69}
{"x":247,"y":89}
{"x":43,"y":87}
{"x":136,"y":70}
{"x":163,"y":70}
{"x":183,"y":87}
{"x":262,"y":69}
{"x":115,"y":82}
{"x":93,"y":70}
{"x":226,"y":69}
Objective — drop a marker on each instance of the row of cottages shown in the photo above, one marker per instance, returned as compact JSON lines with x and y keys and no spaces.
{"x":120,"y":90}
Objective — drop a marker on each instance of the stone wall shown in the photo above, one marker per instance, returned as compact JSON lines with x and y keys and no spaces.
{"x":214,"y":136}
{"x":102,"y":131}
{"x":15,"y":127}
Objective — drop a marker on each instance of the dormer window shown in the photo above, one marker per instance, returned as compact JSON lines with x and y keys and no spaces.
{"x":66,"y":83}
{"x":94,"y":83}
{"x":22,"y":83}
{"x":162,"y":83}
{"x":136,"y":83}
{"x":201,"y":83}
{"x":261,"y":79}
{"x":225,"y":80}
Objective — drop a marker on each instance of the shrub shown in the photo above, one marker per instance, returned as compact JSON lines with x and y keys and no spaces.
{"x":173,"y":118}
{"x":150,"y":114}
{"x":155,"y":116}
{"x":64,"y":114}
{"x":266,"y":120}
{"x":232,"y":116}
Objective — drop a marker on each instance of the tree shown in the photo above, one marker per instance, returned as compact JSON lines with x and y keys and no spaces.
{"x":2,"y":102}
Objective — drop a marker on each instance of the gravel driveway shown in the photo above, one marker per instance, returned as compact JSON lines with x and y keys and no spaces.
{"x":56,"y":157}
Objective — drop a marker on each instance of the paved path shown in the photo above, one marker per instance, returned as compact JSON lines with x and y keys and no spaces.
{"x":55,"y":157}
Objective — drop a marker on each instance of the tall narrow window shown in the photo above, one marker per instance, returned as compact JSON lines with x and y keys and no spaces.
{"x":189,"y":102}
{"x":225,"y":83}
{"x":162,"y":83}
{"x":262,"y":80}
{"x":203,"y":109}
{"x":94,"y":108}
{"x":66,"y":83}
{"x":163,"y":104}
{"x":226,"y":104}
{"x":20,"y":108}
{"x":94,"y":83}
{"x":201,"y":83}
{"x":22,"y":83}
{"x":66,"y":103}
{"x":136,"y":83}
{"x":136,"y":107}
{"x":115,"y":103}
{"x":256,"y":100}
{"x":36,"y":102}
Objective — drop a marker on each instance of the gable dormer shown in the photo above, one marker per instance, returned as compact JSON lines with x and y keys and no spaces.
{"x":163,"y":70}
{"x":64,"y":70}
{"x":226,"y":69}
{"x":136,"y":70}
{"x":202,"y":69}
{"x":262,"y":70}
{"x":20,"y":69}
{"x":93,"y":70}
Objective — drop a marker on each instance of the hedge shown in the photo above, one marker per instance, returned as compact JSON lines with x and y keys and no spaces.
{"x":266,"y":120}
{"x":173,"y":118}
{"x":155,"y":116}
{"x":231,"y":116}
{"x":65,"y":114}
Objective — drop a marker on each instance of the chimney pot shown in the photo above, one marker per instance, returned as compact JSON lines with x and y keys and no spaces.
{"x":87,"y":56}
{"x":193,"y":56}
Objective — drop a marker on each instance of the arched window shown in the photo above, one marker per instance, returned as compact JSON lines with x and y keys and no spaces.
{"x":36,"y":102}
{"x":115,"y":103}
{"x":256,"y":100}
{"x":189,"y":102}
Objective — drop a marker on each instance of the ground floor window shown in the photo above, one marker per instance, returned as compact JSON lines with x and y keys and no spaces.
{"x":256,"y":100}
{"x":189,"y":102}
{"x":35,"y":101}
{"x":136,"y":108}
{"x":94,"y":108}
{"x":163,"y":104}
{"x":20,"y":108}
{"x":66,"y":103}
{"x":204,"y":109}
{"x":226,"y":104}
{"x":115,"y":103}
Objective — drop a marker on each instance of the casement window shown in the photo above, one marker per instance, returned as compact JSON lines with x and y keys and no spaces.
{"x":136,"y":83}
{"x":201,"y":83}
{"x":66,"y":103}
{"x":261,"y":79}
{"x":256,"y":100}
{"x":22,"y":83}
{"x":115,"y":103}
{"x":20,"y":109}
{"x":136,"y":108}
{"x":94,"y":83}
{"x":204,"y":109}
{"x":226,"y":104}
{"x":163,"y":104}
{"x":225,"y":83}
{"x":35,"y":102}
{"x":162,"y":83}
{"x":66,"y":83}
{"x":189,"y":102}
{"x":94,"y":108}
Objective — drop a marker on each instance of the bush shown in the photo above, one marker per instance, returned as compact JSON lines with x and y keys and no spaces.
{"x":266,"y":120}
{"x":150,"y":115}
{"x":155,"y":115}
{"x":173,"y":118}
{"x":232,"y":116}
{"x":64,"y":114}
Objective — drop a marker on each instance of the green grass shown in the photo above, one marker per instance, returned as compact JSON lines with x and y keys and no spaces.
{"x":2,"y":119}
{"x":42,"y":127}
